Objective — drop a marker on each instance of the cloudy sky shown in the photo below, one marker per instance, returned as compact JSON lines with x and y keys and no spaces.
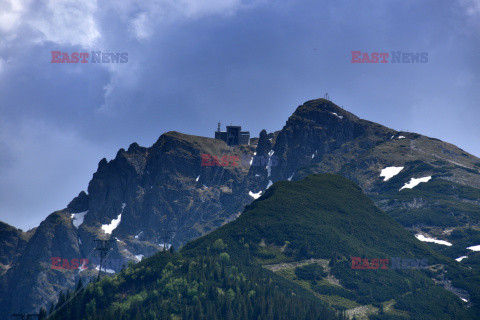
{"x":192,"y":63}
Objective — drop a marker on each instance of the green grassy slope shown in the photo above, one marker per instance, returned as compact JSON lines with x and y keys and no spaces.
{"x":287,"y":254}
{"x":328,"y":217}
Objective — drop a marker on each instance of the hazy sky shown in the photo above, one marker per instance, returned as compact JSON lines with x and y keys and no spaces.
{"x":192,"y":63}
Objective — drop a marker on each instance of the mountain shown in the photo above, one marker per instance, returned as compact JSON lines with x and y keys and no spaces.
{"x":12,"y":241}
{"x":147,"y":198}
{"x":321,"y":137}
{"x":301,"y":237}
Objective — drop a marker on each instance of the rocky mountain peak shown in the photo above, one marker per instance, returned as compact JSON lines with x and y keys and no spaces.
{"x":321,"y":110}
{"x":79,"y":203}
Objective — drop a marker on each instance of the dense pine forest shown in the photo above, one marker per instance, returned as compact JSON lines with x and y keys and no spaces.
{"x":171,"y":286}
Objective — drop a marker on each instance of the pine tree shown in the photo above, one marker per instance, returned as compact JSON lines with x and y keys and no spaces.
{"x":51,"y":308}
{"x":79,"y":285}
{"x":42,"y":315}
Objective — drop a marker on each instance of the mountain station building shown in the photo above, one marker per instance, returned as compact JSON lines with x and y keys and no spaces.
{"x":233,"y":136}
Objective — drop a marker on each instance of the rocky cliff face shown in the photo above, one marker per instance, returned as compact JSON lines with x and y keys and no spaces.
{"x":146,"y":197}
{"x":12,"y":243}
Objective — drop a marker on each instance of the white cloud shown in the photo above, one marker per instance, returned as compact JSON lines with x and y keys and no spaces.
{"x":2,"y":65}
{"x":123,"y":78}
{"x":147,"y":16}
{"x":109,"y":26}
{"x":140,"y":26}
{"x":11,"y":12}
{"x":77,"y":22}
{"x":197,"y":8}
{"x":67,"y":22}
{"x":471,"y":10}
{"x":471,"y":7}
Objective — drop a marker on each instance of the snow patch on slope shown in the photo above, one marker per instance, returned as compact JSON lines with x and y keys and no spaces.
{"x":336,"y":115}
{"x":422,"y":238}
{"x":108,"y":228}
{"x":78,"y":218}
{"x":415,"y":182}
{"x":167,"y":246}
{"x":269,"y":183}
{"x":105,"y":270}
{"x":269,"y":165}
{"x":255,"y":195}
{"x":82,"y":267}
{"x":390,"y":172}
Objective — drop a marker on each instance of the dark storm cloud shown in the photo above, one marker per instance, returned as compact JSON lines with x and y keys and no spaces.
{"x":197,"y":62}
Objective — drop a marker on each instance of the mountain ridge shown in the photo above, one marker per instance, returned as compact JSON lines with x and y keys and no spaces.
{"x":165,"y":187}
